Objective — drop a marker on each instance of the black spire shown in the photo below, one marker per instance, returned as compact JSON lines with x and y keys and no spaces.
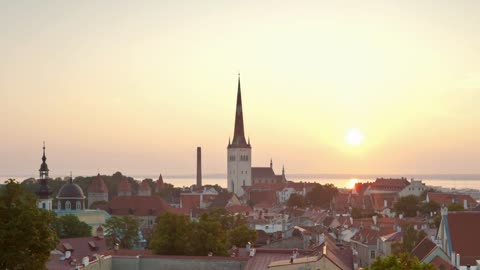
{"x":44,"y":167}
{"x":239,"y":133}
{"x":44,"y":191}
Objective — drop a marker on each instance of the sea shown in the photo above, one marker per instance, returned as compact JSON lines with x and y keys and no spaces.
{"x":450,"y":181}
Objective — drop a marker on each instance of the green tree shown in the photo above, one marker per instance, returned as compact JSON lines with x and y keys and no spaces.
{"x":26,"y":237}
{"x":241,"y":235}
{"x":411,"y":238}
{"x":69,"y":226}
{"x":171,"y":235}
{"x":429,"y":207}
{"x":296,"y":200}
{"x":207,"y":236}
{"x":122,"y":230}
{"x":398,"y":262}
{"x":408,"y":205}
{"x":455,"y":207}
{"x":322,"y":195}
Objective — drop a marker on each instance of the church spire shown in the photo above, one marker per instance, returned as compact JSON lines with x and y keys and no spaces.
{"x":44,"y":167}
{"x":44,"y":191}
{"x":239,"y":133}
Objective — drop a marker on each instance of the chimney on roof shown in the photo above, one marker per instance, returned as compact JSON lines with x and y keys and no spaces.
{"x":199,"y":167}
{"x":465,"y":204}
{"x":458,"y":261}
{"x":444,"y":210}
{"x":452,"y":258}
{"x":374,"y":218}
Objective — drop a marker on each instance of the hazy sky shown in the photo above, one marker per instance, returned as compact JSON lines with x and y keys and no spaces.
{"x":136,"y":86}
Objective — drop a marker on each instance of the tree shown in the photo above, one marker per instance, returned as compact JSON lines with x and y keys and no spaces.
{"x":171,"y":235}
{"x":411,"y":238}
{"x":296,"y":200}
{"x":122,"y":230}
{"x":429,"y":207}
{"x":455,"y":207}
{"x":215,"y":232}
{"x":397,"y":262}
{"x":26,"y":237}
{"x":408,"y":205}
{"x":69,"y":226}
{"x":322,"y":195}
{"x":241,"y":235}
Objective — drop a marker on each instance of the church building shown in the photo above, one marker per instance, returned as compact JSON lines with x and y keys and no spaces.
{"x":239,"y":163}
{"x":240,"y":173}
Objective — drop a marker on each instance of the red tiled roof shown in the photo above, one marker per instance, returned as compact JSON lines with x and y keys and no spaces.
{"x":262,"y":259}
{"x":144,"y":186}
{"x":343,"y":258}
{"x":393,"y":237}
{"x":239,"y":209}
{"x":124,"y":185}
{"x":263,"y":196}
{"x":379,"y":200}
{"x":463,"y":234}
{"x":98,"y":185}
{"x":189,"y":201}
{"x":81,"y":248}
{"x":138,"y":206}
{"x":389,"y":184}
{"x":449,"y":198}
{"x":441,"y":264}
{"x":423,"y":248}
{"x":369,"y":236}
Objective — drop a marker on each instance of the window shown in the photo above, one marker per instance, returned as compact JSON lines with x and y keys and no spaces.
{"x":43,"y":205}
{"x":78,"y":206}
{"x":243,"y":182}
{"x":59,"y":206}
{"x":68,"y":206}
{"x":232,"y":158}
{"x":372,"y":254}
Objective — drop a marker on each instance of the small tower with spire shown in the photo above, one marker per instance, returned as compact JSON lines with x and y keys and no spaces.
{"x":44,"y":193}
{"x":239,"y":153}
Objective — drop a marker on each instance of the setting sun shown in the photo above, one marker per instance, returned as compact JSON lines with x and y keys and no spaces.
{"x":353,"y":181}
{"x":354,"y":137}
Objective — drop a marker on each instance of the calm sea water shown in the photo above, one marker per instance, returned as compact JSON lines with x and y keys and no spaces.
{"x":339,"y":180}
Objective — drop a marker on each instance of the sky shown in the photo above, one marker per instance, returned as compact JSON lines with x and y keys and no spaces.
{"x":136,"y":86}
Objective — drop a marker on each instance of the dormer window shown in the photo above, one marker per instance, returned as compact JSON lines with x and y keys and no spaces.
{"x":68,"y":205}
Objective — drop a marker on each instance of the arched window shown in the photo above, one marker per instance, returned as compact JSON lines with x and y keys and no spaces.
{"x":68,"y":205}
{"x":59,"y":206}
{"x":78,"y":205}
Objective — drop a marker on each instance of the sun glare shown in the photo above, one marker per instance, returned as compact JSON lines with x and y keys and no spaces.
{"x":353,"y":181}
{"x":354,"y":137}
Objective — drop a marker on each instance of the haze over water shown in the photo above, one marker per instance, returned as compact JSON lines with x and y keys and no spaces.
{"x":341,"y":181}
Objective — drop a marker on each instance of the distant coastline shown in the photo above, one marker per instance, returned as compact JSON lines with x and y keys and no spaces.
{"x":458,"y":181}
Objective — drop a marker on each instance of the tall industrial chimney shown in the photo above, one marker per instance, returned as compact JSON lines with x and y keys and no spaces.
{"x":199,"y":167}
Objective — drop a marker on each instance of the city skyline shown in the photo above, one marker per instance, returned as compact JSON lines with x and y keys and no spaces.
{"x":330,"y":88}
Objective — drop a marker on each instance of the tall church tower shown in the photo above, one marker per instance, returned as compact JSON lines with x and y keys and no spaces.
{"x":239,"y":158}
{"x":44,"y":193}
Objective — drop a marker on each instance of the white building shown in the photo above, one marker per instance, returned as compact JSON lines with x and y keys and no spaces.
{"x":416,"y":187}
